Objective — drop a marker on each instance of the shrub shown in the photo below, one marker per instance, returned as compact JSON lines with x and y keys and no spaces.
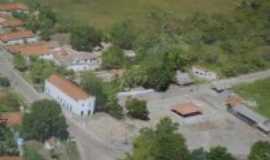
{"x":137,"y":109}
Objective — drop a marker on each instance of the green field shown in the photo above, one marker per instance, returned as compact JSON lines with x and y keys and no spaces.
{"x":103,"y":13}
{"x":259,"y":92}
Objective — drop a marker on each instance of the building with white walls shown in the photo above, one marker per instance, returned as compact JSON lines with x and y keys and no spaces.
{"x":70,"y":96}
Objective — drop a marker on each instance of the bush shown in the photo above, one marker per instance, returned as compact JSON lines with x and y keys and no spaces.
{"x":20,"y":63}
{"x":4,"y":82}
{"x":113,"y":58}
{"x":114,"y":109}
{"x":137,"y":109}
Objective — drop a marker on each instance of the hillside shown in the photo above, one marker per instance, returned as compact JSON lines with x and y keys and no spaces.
{"x":103,"y":13}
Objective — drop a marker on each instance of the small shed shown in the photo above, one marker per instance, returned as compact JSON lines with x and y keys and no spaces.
{"x":183,"y":79}
{"x":186,"y":109}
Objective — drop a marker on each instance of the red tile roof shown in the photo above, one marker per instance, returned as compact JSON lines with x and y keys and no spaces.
{"x":11,"y":23}
{"x":16,"y":35}
{"x":12,"y":118}
{"x":68,"y":87}
{"x":35,"y":49}
{"x":186,"y":109}
{"x":12,"y":7}
{"x":10,"y":158}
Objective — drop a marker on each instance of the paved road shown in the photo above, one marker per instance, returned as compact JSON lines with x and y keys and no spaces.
{"x":89,"y":147}
{"x":19,"y":84}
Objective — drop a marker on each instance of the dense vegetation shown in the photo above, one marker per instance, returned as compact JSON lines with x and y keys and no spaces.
{"x":8,"y":145}
{"x":44,"y":121}
{"x":9,"y":101}
{"x":103,"y":13}
{"x":259,"y":92}
{"x":137,"y":109}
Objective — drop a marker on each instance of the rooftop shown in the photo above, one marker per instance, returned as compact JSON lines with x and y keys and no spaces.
{"x":66,"y":55}
{"x":11,"y":22}
{"x":68,"y":87}
{"x":12,"y":6}
{"x":35,"y":49}
{"x":186,"y":109}
{"x":16,"y":35}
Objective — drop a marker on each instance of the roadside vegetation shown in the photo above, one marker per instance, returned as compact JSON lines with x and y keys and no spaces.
{"x":258,"y":92}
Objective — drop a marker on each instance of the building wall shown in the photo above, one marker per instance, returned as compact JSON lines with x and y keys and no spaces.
{"x":204,"y":74}
{"x":83,"y":107}
{"x":14,"y":42}
{"x":32,"y":39}
{"x":83,"y":67}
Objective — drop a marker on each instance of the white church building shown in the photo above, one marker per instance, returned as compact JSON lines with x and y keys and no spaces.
{"x":71,"y":97}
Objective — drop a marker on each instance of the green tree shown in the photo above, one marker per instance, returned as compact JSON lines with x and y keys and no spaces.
{"x":41,"y":70}
{"x":8,"y":145}
{"x":20,"y":62}
{"x":113,"y":58}
{"x":114,"y":109}
{"x":85,"y":38}
{"x":94,"y":85}
{"x":45,"y":120}
{"x":159,"y":77}
{"x":137,"y":109}
{"x":122,"y":35}
{"x":219,"y":153}
{"x":162,"y":143}
{"x":260,"y":151}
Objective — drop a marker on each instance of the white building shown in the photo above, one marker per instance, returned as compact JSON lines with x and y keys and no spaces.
{"x":74,"y":60}
{"x":204,"y":73}
{"x":71,"y":97}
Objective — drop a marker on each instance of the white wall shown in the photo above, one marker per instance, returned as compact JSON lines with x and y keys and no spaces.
{"x":32,"y":39}
{"x":86,"y":106}
{"x":14,"y":42}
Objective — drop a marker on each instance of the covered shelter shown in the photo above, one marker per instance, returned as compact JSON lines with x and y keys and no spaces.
{"x":186,"y":109}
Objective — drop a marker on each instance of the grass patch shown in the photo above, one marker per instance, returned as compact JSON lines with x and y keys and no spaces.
{"x":103,"y":13}
{"x":258,"y":91}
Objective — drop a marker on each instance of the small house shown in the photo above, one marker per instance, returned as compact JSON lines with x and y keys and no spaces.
{"x":203,"y":73}
{"x":11,"y":118}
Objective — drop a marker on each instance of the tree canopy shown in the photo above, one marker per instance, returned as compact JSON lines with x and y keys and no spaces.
{"x":85,"y":38}
{"x":137,"y":109}
{"x":44,"y":121}
{"x":260,"y":151}
{"x":113,"y":58}
{"x":161,"y":143}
